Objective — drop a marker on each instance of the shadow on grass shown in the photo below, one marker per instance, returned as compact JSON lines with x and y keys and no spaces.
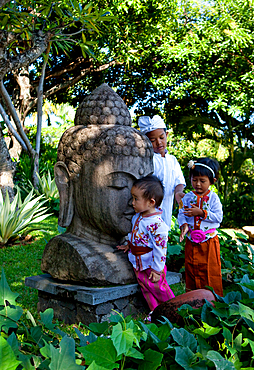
{"x":22,"y":260}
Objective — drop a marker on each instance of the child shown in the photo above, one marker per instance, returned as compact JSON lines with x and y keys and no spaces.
{"x":147,"y":243}
{"x":199,"y":216}
{"x":166,"y":167}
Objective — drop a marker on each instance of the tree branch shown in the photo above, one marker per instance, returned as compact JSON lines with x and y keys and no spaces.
{"x":40,"y":42}
{"x":74,"y":80}
{"x":11,"y":128}
{"x":15,"y":117}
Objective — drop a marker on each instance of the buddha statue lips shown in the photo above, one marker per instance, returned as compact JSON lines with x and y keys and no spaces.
{"x":97,"y":164}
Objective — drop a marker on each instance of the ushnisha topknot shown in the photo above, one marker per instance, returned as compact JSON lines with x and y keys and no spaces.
{"x":103,"y":106}
{"x":102,"y":129}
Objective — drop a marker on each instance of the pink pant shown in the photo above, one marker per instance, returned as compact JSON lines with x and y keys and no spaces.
{"x":154,"y":293}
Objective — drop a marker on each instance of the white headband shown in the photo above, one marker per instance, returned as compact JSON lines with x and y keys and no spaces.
{"x":193,"y":164}
{"x":147,"y":124}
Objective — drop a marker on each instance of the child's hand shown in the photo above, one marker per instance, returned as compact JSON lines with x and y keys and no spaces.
{"x":179,"y":196}
{"x":184,"y":230}
{"x":193,"y":211}
{"x":124,"y":247}
{"x":154,"y":277}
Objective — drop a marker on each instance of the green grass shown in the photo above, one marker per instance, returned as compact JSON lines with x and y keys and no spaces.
{"x":21,"y":261}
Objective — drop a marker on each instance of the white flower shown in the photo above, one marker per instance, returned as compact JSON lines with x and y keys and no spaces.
{"x":191,"y":164}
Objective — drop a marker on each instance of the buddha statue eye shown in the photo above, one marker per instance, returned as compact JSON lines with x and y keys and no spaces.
{"x":118,"y":183}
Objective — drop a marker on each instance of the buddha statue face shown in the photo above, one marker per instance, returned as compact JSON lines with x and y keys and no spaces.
{"x":94,"y":175}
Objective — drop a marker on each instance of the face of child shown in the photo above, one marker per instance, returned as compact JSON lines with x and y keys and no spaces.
{"x":141,"y":204}
{"x":158,"y":138}
{"x":200,"y":184}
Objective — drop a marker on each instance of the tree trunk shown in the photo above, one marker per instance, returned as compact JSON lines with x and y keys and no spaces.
{"x":39,"y":120}
{"x":14,"y":147}
{"x":7,"y":169}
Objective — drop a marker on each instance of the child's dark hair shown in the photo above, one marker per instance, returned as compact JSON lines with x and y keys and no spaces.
{"x":152,"y":187}
{"x":197,"y":170}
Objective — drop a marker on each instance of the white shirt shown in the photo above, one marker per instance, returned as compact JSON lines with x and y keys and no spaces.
{"x":169,"y":172}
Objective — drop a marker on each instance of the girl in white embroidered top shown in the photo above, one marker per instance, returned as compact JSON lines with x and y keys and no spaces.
{"x":147,"y":243}
{"x":200,"y":214}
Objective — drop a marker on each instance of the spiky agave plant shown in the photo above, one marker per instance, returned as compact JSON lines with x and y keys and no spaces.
{"x":18,"y":218}
{"x":48,"y":186}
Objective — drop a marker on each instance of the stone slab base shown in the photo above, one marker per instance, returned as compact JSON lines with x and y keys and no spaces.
{"x":76,"y":303}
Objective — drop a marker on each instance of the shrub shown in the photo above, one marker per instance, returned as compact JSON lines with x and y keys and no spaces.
{"x":175,"y":249}
{"x":48,"y":188}
{"x":237,"y":255}
{"x":219,"y":336}
{"x":239,"y":210}
{"x":18,"y":218}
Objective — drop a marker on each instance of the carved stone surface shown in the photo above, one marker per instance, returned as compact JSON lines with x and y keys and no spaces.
{"x":76,"y":303}
{"x":98,"y":160}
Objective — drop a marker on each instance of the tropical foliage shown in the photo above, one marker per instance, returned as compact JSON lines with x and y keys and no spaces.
{"x":18,"y":218}
{"x":218,"y":336}
{"x":48,"y":188}
{"x":31,"y":30}
{"x":237,"y":255}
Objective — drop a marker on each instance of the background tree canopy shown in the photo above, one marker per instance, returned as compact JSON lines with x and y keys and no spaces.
{"x":190,"y":61}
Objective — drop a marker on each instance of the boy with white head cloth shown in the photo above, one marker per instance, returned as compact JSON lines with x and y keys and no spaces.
{"x":166,"y":166}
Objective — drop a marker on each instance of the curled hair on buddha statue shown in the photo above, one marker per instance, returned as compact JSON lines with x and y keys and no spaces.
{"x":80,"y":144}
{"x":204,"y":167}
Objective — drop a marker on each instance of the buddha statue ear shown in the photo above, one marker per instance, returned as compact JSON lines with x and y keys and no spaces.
{"x":65,"y":188}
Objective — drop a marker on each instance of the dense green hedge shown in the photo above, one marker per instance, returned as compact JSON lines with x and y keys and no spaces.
{"x":219,"y":336}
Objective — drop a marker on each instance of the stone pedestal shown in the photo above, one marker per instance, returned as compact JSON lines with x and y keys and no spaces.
{"x":76,"y":303}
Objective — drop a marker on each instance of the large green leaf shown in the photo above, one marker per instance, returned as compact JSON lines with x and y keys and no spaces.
{"x":133,"y":352}
{"x":188,"y":360}
{"x":8,"y":359}
{"x":64,"y":357}
{"x":13,"y":342}
{"x":46,"y":318}
{"x":85,"y":339}
{"x":251,"y":343}
{"x":206,"y":330}
{"x":203,"y":346}
{"x":94,"y":366}
{"x":46,"y":351}
{"x":184,"y":338}
{"x":148,"y":330}
{"x":99,"y":328}
{"x":174,"y":249}
{"x":122,"y":339}
{"x":151,"y":361}
{"x":102,"y":352}
{"x":5,"y":293}
{"x":248,"y":314}
{"x":232,"y":297}
{"x":26,"y":362}
{"x":220,"y":362}
{"x":9,"y":315}
{"x":247,"y":286}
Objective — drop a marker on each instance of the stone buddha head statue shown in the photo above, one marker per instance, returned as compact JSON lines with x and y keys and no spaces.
{"x":98,"y":160}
